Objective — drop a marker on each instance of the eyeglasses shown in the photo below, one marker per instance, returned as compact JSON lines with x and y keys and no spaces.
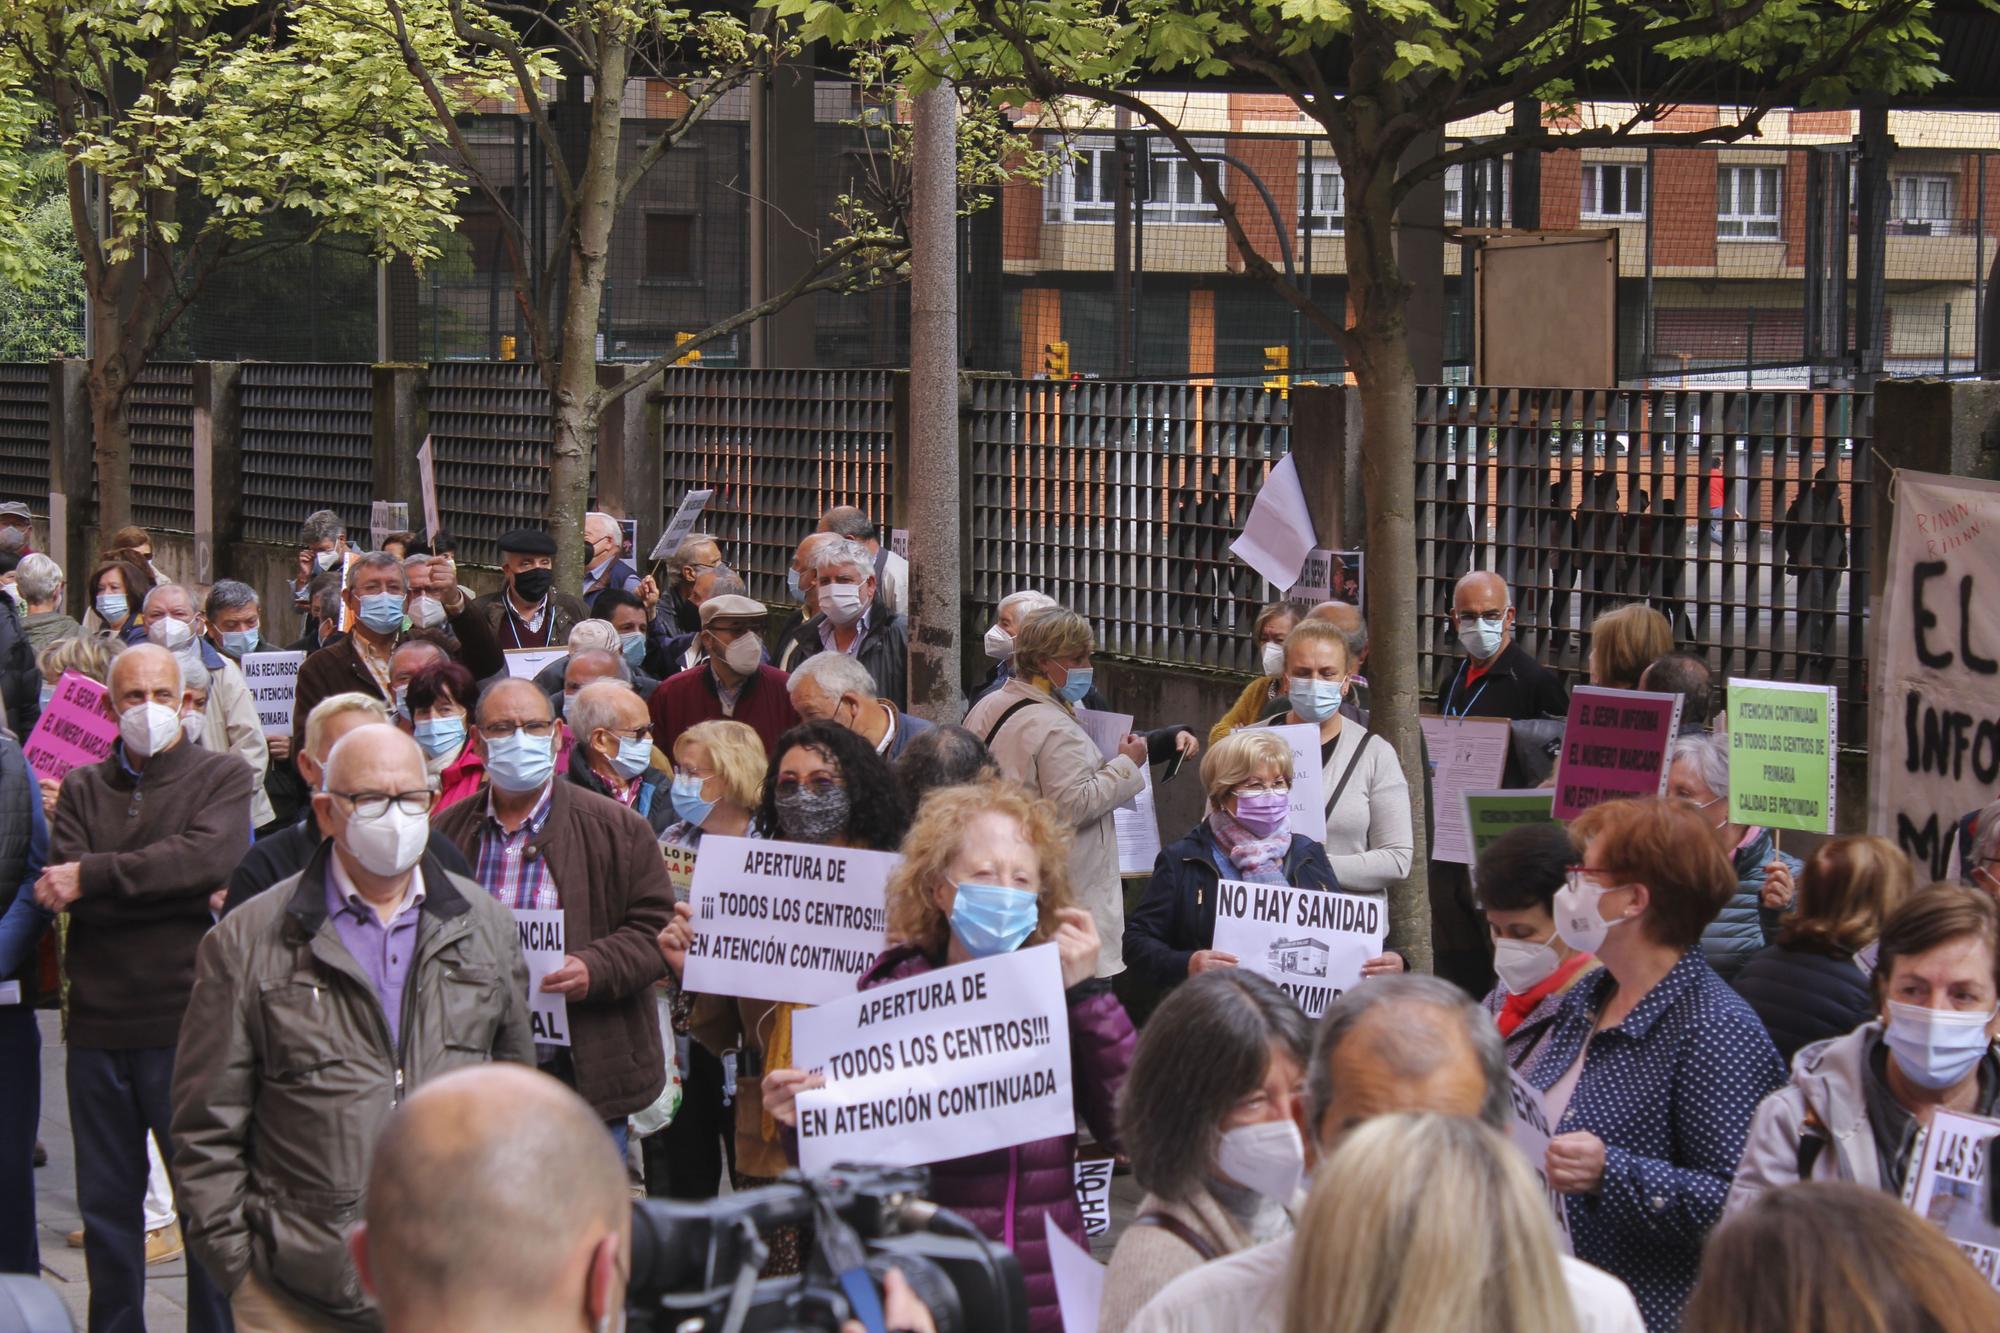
{"x":373,"y":804}
{"x":1485,"y":617}
{"x":1574,"y":876}
{"x":1271,"y":789}
{"x":818,"y":786}
{"x":500,"y":731}
{"x":642,"y":733}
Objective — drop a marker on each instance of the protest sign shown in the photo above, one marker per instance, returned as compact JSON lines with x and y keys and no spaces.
{"x":628,"y":539}
{"x":385,"y":517}
{"x":1531,"y":1131}
{"x":681,"y":524}
{"x":1466,"y":754}
{"x":1093,"y":1194}
{"x":1312,"y":943}
{"x":950,"y":1063}
{"x":273,"y":679}
{"x":1489,"y":814}
{"x":1781,"y":741}
{"x":1614,"y":745}
{"x":542,"y":945}
{"x":899,"y":542}
{"x":1278,"y":535}
{"x":785,"y":920}
{"x":1308,"y":811}
{"x":1954,"y":1185}
{"x":427,"y":483}
{"x":1136,"y":823}
{"x":1079,"y":1279}
{"x":75,"y":730}
{"x":680,"y":869}
{"x":527,"y":663}
{"x":1315,"y":582}
{"x":1934,"y":745}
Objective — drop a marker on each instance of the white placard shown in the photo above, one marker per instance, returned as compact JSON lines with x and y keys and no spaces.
{"x":1310,"y":942}
{"x":1136,"y":823}
{"x":681,"y":524}
{"x":1315,"y":583}
{"x":899,"y":541}
{"x":1530,"y":1130}
{"x":954,"y":1062}
{"x":428,"y":484}
{"x":1079,"y":1279}
{"x":1953,"y":1181}
{"x":785,"y":921}
{"x":1308,"y":812}
{"x":527,"y":663}
{"x":1466,"y":754}
{"x":542,"y":945}
{"x":1279,"y":531}
{"x":385,"y":517}
{"x":273,"y":679}
{"x":1093,"y":1194}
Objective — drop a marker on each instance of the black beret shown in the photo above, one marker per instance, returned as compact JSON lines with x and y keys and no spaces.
{"x":528,"y":541}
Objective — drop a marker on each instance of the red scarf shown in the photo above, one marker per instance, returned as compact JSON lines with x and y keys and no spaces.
{"x":1517,"y":1007}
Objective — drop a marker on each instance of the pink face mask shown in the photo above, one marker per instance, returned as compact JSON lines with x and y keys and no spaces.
{"x":1263,"y":813}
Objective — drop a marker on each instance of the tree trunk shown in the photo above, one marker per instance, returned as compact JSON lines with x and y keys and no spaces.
{"x":577,"y":400}
{"x":113,"y":367}
{"x":1378,"y":350}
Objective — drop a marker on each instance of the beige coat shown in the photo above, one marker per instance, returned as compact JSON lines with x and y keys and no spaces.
{"x":231,"y":726}
{"x":1148,"y":1258}
{"x":1044,"y":750}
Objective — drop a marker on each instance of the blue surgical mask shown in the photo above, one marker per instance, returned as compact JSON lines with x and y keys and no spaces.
{"x":237,"y":642}
{"x":382,"y":612}
{"x":403,"y":700}
{"x":1481,"y":640}
{"x":686,"y":794}
{"x":1076,"y":684}
{"x":989,"y":919}
{"x":520,"y":762}
{"x":112,"y":607}
{"x":633,"y":645}
{"x":440,"y":735}
{"x":1315,"y":700}
{"x":633,"y":757}
{"x":792,"y":585}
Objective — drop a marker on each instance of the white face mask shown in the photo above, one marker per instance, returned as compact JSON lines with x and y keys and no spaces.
{"x":193,"y":727}
{"x":1523,"y":964}
{"x":426,"y":612}
{"x":148,"y":728}
{"x":1577,"y":917}
{"x":1273,"y":658}
{"x":1481,"y":640}
{"x":1936,"y":1048}
{"x":1268,"y":1157}
{"x":745,"y":655}
{"x":388,"y":844}
{"x":840,"y":603}
{"x":999,"y":643}
{"x":170,"y":633}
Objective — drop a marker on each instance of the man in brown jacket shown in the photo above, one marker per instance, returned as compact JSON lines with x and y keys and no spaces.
{"x":317,"y":1006}
{"x":141,"y":839}
{"x":539,"y":844}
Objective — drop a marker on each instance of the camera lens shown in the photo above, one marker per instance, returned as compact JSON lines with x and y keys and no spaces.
{"x":931,"y":1284}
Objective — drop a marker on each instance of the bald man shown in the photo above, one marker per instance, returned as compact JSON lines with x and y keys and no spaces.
{"x":1398,"y":1043}
{"x":140,"y":841}
{"x":496,"y":1202}
{"x":317,"y":1005}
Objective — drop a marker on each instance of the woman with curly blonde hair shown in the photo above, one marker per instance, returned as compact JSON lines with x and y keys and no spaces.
{"x":985,"y":871}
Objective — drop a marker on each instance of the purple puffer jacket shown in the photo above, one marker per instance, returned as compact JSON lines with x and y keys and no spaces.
{"x":1006,"y":1193}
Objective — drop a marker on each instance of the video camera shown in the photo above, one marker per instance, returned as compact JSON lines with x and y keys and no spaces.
{"x":695,"y":1266}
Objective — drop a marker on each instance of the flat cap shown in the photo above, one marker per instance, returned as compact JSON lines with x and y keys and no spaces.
{"x":15,"y":509}
{"x":528,"y":541}
{"x":730,"y":606}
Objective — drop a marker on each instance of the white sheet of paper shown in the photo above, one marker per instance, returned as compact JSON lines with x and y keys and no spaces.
{"x":1530,"y":1130}
{"x":1093,"y":1194}
{"x":1079,"y":1279}
{"x":10,"y":992}
{"x":542,"y":946}
{"x":681,"y":524}
{"x":428,"y":484}
{"x":1308,"y":814}
{"x":1467,"y":754}
{"x":273,"y":679}
{"x":1950,"y":1179}
{"x":1137,"y":824}
{"x":1279,"y":531}
{"x":1315,"y":583}
{"x":527,"y":663}
{"x":1310,"y":942}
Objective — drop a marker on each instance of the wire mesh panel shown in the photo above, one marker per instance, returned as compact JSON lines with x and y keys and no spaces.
{"x":1740,"y":516}
{"x":779,"y":448}
{"x":24,"y":434}
{"x":161,"y":412}
{"x":1120,"y":501}
{"x":308,"y":444}
{"x":490,"y":437}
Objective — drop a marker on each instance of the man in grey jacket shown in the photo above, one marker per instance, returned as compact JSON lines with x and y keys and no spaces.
{"x":317,"y":1006}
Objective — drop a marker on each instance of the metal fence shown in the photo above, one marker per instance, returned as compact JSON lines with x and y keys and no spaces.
{"x":490,"y":433}
{"x":779,"y":448}
{"x":308,"y":443}
{"x":161,"y":413}
{"x":24,"y":433}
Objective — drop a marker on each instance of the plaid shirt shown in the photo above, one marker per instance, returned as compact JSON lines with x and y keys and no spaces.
{"x":517,"y":880}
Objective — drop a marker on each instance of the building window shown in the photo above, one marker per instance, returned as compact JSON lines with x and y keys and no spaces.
{"x":1614,"y":190}
{"x":1323,"y":192}
{"x":670,"y":246}
{"x":1924,"y":205}
{"x":1490,"y":203}
{"x":1746,"y":203}
{"x":1088,"y":190}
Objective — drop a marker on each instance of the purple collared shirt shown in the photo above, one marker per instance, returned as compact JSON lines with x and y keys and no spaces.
{"x":382,"y":948}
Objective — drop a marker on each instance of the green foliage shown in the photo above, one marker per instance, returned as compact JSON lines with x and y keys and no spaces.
{"x":41,"y":297}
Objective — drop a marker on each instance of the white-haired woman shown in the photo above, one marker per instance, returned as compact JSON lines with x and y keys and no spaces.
{"x":1766,"y":877}
{"x":1014,"y":608}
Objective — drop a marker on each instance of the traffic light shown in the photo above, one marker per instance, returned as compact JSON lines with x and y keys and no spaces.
{"x":507,"y":346}
{"x":1278,"y":364}
{"x":1055,"y":360}
{"x":692,"y":358}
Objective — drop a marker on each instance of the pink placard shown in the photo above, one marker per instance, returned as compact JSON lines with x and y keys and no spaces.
{"x":1614,"y":745}
{"x":77,"y":728}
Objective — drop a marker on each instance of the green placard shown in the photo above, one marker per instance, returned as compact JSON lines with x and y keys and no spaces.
{"x":1488,"y":814}
{"x":1781,"y":754}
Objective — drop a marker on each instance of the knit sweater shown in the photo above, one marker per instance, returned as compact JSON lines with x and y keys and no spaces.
{"x":688,"y":697}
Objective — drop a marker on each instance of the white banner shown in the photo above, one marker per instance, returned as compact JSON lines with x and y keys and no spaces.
{"x":1531,"y":1131}
{"x":1934,"y":751}
{"x":427,"y":484}
{"x":1308,"y":813}
{"x":1953,"y":1186}
{"x":1312,"y":943}
{"x":681,"y":524}
{"x":542,"y":946}
{"x":1467,"y":754}
{"x":273,"y":679}
{"x":962,"y":1060}
{"x":785,"y":920}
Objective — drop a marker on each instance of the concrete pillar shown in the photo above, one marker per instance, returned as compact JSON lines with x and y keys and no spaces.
{"x":402,"y":420}
{"x":1326,"y":449}
{"x":72,"y":476}
{"x":218,"y":466}
{"x":628,"y":457}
